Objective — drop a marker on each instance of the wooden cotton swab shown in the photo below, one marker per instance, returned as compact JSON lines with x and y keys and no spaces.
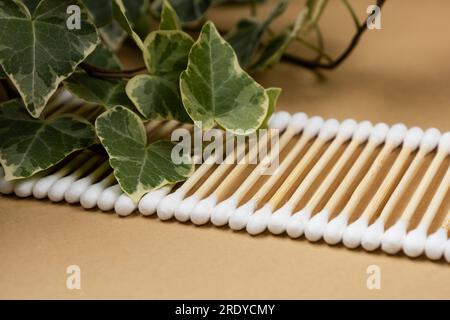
{"x":261,"y":218}
{"x":393,"y":238}
{"x":415,"y":241}
{"x":223,"y":210}
{"x":435,"y":244}
{"x":183,"y":212}
{"x":355,"y":231}
{"x":317,"y":225}
{"x":89,"y":198}
{"x":169,"y":205}
{"x":297,"y":222}
{"x":371,"y":239}
{"x":239,"y":217}
{"x":203,"y":210}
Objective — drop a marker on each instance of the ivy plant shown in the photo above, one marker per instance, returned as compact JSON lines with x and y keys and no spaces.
{"x":193,"y":71}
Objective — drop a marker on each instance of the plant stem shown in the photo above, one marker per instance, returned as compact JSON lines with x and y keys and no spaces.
{"x":106,"y":73}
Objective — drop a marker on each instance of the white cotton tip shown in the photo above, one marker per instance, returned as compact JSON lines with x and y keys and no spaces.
{"x":347,"y":129}
{"x":279,"y":120}
{"x":222,"y":212}
{"x":73,"y":194}
{"x":435,"y":245}
{"x":203,"y":210}
{"x":124,"y":206}
{"x":430,"y":139}
{"x":298,"y":121}
{"x":279,"y":219}
{"x":297,"y":223}
{"x":239,"y":218}
{"x":413,"y":138}
{"x":89,"y":198}
{"x":335,"y":229}
{"x":313,"y":126}
{"x":396,"y":134}
{"x":42,"y":187}
{"x":363,"y":131}
{"x":149,"y":202}
{"x":166,"y":208}
{"x":392,"y":240}
{"x":379,"y":133}
{"x":329,"y":129}
{"x":354,"y":233}
{"x":444,"y":142}
{"x":6,"y":187}
{"x":183,"y":212}
{"x":259,"y":220}
{"x":447,"y":251}
{"x":59,"y":188}
{"x":24,"y":188}
{"x":317,"y":225}
{"x":108,"y":198}
{"x":414,"y":243}
{"x":371,"y":239}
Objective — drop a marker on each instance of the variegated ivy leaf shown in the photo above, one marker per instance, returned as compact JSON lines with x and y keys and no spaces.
{"x":105,"y":92}
{"x":273,"y":94}
{"x":100,"y":11}
{"x":120,"y":14}
{"x":245,"y":39}
{"x":187,"y":10}
{"x":29,"y":145}
{"x":158,"y":95}
{"x":138,"y":167}
{"x":169,"y":18}
{"x":103,"y":58}
{"x":215,"y":89}
{"x":38,"y":50}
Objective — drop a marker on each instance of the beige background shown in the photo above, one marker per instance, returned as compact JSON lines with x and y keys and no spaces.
{"x":399,"y":73}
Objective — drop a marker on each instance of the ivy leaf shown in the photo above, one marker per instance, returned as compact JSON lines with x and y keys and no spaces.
{"x":169,"y":18}
{"x":273,"y":94}
{"x":105,"y":92}
{"x":29,"y":145}
{"x":246,"y":38}
{"x":100,"y":11}
{"x":275,"y":49}
{"x":104,"y":58}
{"x":138,"y":167}
{"x":120,"y":13}
{"x":158,"y":95}
{"x":45,"y":51}
{"x":214,"y":88}
{"x":187,"y":10}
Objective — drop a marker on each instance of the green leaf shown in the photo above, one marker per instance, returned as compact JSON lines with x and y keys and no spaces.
{"x":138,"y":167}
{"x":100,"y":11}
{"x":113,"y":35}
{"x":105,"y":92}
{"x":158,"y":95}
{"x":273,"y":94}
{"x":214,"y":88}
{"x":169,"y":18}
{"x":246,"y":38}
{"x":104,"y":58}
{"x":120,"y":13}
{"x":38,"y":50}
{"x":275,"y":49}
{"x":187,"y":10}
{"x":29,"y":145}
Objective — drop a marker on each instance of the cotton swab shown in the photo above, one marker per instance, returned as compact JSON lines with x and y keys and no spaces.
{"x":239,"y":217}
{"x":393,"y":238}
{"x":261,"y":218}
{"x":202,"y":211}
{"x":89,"y":198}
{"x":58,"y":189}
{"x":371,"y":239}
{"x":221,"y":213}
{"x":435,"y":244}
{"x":108,"y":197}
{"x":76,"y":189}
{"x":277,"y":221}
{"x":296,"y":224}
{"x":447,"y":251}
{"x":171,"y":203}
{"x":355,"y":231}
{"x":415,"y":241}
{"x":149,"y":202}
{"x":317,"y":225}
{"x":24,"y":187}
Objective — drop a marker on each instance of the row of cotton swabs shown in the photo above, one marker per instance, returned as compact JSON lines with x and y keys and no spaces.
{"x":87,"y":178}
